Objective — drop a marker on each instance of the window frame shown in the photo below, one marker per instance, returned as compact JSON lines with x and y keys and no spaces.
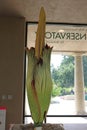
{"x":27,"y":24}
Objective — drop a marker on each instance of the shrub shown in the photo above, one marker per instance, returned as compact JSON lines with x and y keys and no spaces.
{"x":56,"y":91}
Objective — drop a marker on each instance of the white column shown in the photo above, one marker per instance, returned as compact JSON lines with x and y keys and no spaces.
{"x":79,"y":86}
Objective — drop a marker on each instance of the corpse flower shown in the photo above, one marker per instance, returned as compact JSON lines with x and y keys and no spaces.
{"x":39,"y":81}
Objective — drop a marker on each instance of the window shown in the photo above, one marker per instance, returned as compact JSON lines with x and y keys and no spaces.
{"x":66,"y":41}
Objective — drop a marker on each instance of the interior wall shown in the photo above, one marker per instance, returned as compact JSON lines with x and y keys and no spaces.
{"x":12,"y":42}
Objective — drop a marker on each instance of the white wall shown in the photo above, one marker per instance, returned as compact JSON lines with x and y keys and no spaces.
{"x":12,"y":42}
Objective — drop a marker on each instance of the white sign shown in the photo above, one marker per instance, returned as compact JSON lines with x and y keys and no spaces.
{"x":2,"y":118}
{"x":61,"y":37}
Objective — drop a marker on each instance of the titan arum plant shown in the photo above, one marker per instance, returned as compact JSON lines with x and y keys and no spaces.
{"x":39,"y":81}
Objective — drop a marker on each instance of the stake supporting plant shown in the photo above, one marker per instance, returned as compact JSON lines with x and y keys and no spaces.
{"x":39,"y":81}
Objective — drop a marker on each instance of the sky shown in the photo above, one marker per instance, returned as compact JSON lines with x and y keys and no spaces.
{"x":56,"y":59}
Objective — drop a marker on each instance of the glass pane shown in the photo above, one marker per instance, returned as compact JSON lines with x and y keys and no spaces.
{"x":28,"y":120}
{"x":67,"y":120}
{"x":63,"y":98}
{"x":62,"y":101}
{"x":62,"y":120}
{"x":27,"y":110}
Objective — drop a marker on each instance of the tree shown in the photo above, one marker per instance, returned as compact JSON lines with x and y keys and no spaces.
{"x":64,"y":75}
{"x":85,"y":70}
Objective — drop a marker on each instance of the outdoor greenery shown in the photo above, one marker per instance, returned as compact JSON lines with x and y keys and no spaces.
{"x":63,"y":76}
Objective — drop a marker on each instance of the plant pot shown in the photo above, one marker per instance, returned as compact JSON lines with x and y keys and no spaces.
{"x":38,"y":128}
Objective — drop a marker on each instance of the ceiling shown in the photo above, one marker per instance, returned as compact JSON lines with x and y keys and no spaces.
{"x":63,"y":11}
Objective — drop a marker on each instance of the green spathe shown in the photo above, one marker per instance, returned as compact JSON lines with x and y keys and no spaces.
{"x":39,"y":84}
